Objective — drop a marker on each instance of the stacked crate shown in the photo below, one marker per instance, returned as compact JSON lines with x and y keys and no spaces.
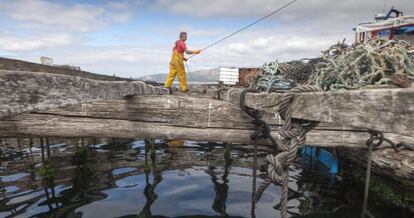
{"x":229,"y":75}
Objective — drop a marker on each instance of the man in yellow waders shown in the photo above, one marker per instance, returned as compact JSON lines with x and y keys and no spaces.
{"x":177,"y":63}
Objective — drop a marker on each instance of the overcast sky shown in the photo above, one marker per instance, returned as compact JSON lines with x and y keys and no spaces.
{"x":135,"y":37}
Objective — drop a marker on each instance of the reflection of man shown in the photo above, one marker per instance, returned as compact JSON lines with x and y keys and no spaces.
{"x":177,"y":63}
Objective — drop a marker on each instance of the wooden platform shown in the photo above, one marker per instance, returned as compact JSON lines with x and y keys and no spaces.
{"x":43,"y":104}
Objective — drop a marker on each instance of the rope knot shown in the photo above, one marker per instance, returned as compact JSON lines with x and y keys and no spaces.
{"x":293,"y":135}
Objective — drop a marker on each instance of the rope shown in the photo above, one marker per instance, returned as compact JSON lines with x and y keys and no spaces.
{"x":249,"y":25}
{"x":293,"y":134}
{"x":265,"y":184}
{"x":376,"y":62}
{"x":189,"y":72}
{"x":262,"y":129}
{"x":271,"y":78}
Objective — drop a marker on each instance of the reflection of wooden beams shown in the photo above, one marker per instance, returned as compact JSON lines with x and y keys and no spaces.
{"x":32,"y":91}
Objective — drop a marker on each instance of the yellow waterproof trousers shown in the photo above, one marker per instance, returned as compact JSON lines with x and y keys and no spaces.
{"x":177,"y":68}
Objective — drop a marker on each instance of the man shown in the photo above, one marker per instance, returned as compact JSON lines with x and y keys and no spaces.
{"x":177,"y":63}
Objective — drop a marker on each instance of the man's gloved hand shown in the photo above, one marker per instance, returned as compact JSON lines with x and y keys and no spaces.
{"x":196,"y":51}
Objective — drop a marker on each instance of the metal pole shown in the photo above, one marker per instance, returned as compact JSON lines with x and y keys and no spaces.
{"x":253,"y":215}
{"x":367,"y":180}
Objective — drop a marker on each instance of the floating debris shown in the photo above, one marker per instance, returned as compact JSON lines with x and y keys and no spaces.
{"x":377,"y":62}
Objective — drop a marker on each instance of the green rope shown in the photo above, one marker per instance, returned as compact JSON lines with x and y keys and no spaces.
{"x":373,"y":63}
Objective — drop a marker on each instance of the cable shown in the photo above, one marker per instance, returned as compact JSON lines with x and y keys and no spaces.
{"x":251,"y":24}
{"x":189,"y":73}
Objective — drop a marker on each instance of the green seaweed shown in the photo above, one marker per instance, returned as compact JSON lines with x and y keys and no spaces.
{"x":47,"y":173}
{"x":384,"y":192}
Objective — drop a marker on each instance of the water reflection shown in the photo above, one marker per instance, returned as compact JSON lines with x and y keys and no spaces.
{"x":149,"y":190}
{"x":221,"y":189}
{"x":151,"y":178}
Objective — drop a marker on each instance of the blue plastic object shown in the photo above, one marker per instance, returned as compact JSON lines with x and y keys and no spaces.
{"x":325,"y":157}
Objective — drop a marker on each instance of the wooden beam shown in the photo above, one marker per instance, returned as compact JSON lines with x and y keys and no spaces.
{"x":35,"y":91}
{"x":170,"y":117}
{"x":386,"y":162}
{"x":388,"y":110}
{"x":187,"y":118}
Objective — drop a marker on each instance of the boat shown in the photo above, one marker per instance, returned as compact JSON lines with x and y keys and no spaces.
{"x":394,"y":25}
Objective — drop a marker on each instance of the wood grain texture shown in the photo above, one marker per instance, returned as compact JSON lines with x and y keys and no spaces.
{"x":385,"y":162}
{"x":388,"y":110}
{"x":173,"y":117}
{"x":188,"y":118}
{"x":33,"y":91}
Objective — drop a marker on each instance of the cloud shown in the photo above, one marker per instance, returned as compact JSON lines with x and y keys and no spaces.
{"x":33,"y":42}
{"x":259,"y":46}
{"x":35,"y":13}
{"x":249,"y":49}
{"x":301,"y":30}
{"x":39,"y":24}
{"x":66,"y":32}
{"x":122,"y":60}
{"x":321,"y":13}
{"x":55,"y":15}
{"x":201,"y":32}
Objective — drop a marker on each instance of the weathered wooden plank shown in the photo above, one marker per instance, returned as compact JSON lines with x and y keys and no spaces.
{"x":197,"y":119}
{"x":28,"y":91}
{"x":149,"y":90}
{"x":66,"y":126}
{"x":169,"y":117}
{"x":386,"y":162}
{"x":389,"y":110}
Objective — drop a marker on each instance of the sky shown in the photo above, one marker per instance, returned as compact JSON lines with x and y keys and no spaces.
{"x":132,"y":38}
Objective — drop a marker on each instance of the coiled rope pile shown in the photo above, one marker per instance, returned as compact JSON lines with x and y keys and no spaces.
{"x":270,"y":78}
{"x":279,"y":77}
{"x":376,"y":62}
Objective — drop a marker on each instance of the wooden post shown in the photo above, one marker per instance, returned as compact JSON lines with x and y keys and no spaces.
{"x":30,"y":148}
{"x":42,"y":150}
{"x":19,"y":143}
{"x":48,"y":148}
{"x":146,"y":164}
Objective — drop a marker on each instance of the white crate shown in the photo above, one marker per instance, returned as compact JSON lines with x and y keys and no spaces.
{"x":229,"y":75}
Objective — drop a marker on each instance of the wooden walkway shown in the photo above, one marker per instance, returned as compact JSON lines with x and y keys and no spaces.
{"x":49,"y":105}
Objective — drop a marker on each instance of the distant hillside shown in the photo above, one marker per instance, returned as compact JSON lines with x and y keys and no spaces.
{"x":12,"y":64}
{"x":201,"y":76}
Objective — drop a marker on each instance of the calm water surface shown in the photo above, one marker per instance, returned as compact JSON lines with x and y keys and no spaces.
{"x":177,"y":180}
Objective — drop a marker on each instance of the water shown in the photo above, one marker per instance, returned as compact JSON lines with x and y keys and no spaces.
{"x":178,"y":180}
